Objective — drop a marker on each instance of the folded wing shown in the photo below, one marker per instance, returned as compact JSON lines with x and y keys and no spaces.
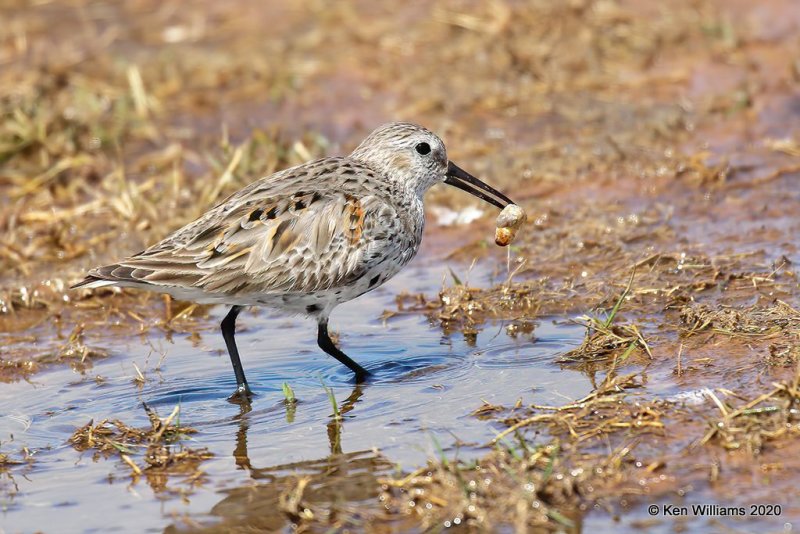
{"x":262,"y":240}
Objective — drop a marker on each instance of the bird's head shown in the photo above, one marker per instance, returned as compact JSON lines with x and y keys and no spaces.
{"x":416,"y":159}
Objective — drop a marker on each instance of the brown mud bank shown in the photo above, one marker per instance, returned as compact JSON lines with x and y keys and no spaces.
{"x":636,"y":346}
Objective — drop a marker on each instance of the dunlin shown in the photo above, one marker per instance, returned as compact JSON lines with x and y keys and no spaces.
{"x":304,"y":239}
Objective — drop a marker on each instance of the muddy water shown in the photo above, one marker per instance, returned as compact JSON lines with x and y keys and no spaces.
{"x":424,"y":387}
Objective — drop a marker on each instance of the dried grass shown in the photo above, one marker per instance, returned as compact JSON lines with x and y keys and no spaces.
{"x":755,"y":422}
{"x":155,"y":452}
{"x":527,"y":486}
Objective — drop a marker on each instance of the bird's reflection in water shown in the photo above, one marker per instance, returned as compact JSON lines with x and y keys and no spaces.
{"x":299,"y":491}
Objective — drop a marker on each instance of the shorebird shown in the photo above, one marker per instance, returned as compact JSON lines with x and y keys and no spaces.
{"x":305,"y":239}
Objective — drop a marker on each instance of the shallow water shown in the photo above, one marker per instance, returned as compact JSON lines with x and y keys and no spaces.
{"x":423,"y":389}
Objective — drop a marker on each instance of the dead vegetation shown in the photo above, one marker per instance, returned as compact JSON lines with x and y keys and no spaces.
{"x":605,"y":411}
{"x":95,"y":164}
{"x":521,"y":488}
{"x":604,"y":338}
{"x":554,"y":463}
{"x":683,"y":318}
{"x":543,"y":480}
{"x":753,"y":423}
{"x":11,"y":466}
{"x":779,"y":318}
{"x":155,"y":453}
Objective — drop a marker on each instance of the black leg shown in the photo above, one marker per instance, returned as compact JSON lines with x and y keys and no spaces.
{"x":228,"y":331}
{"x":325,"y":343}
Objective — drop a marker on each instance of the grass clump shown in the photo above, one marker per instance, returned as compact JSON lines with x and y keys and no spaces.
{"x":605,"y":337}
{"x":153,"y":452}
{"x":584,"y":456}
{"x":604,"y":411}
{"x":757,"y":421}
{"x":751,"y":320}
{"x":534,"y":488}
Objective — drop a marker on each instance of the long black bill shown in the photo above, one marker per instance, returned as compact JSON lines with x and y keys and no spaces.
{"x":458,"y":177}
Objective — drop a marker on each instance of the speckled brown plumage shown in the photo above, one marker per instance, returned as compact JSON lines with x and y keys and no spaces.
{"x":304,"y":239}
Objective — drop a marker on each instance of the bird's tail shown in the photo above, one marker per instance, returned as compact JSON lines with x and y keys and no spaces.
{"x":107,"y":275}
{"x":92,"y":282}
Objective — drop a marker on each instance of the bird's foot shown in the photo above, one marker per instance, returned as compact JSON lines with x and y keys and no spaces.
{"x":242,"y":395}
{"x":362,"y":376}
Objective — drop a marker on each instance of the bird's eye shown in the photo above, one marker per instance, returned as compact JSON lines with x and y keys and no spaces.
{"x":423,"y":148}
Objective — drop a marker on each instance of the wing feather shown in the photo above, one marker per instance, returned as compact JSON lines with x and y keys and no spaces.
{"x":285,"y":233}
